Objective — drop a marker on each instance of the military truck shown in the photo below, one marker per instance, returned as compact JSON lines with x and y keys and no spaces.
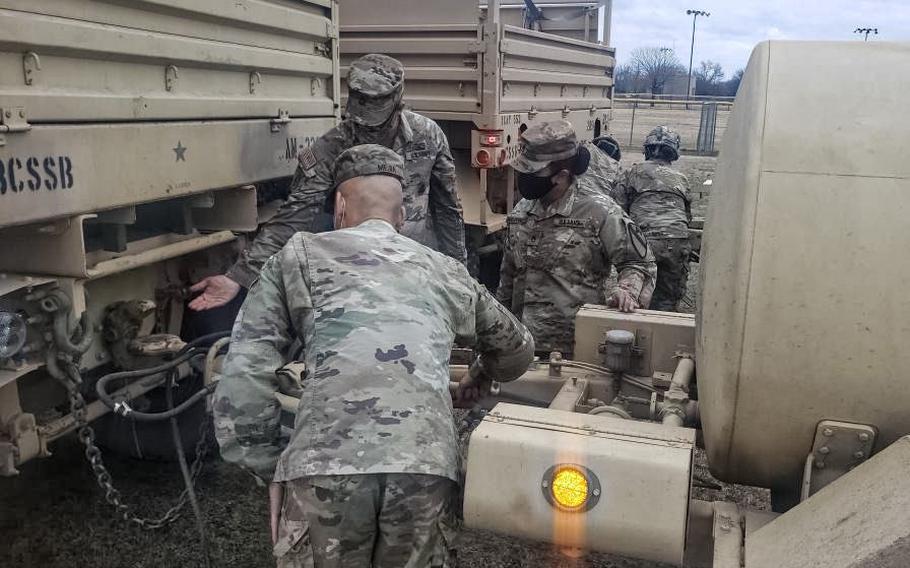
{"x":136,"y":141}
{"x":484,"y":76}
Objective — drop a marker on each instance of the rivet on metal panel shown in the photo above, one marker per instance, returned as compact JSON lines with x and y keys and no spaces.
{"x":255,"y":81}
{"x":31,"y":64}
{"x":859,"y":455}
{"x":828,"y":432}
{"x":824,"y":450}
{"x":864,"y":437}
{"x":170,"y":78}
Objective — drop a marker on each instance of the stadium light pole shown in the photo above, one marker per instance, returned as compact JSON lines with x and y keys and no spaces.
{"x":865,"y":32}
{"x":695,"y":14}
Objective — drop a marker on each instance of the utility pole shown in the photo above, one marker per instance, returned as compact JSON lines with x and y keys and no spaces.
{"x":695,"y":14}
{"x":865,"y":32}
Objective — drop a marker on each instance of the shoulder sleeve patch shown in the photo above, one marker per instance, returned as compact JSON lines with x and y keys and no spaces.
{"x":307,"y":159}
{"x":637,"y":239}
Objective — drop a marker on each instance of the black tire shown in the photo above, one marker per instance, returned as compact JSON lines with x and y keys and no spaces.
{"x":784,"y":498}
{"x":153,"y":440}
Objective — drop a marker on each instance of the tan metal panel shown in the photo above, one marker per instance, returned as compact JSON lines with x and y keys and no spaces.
{"x":660,"y":335}
{"x":531,"y":50}
{"x":640,"y":467}
{"x":165,"y":60}
{"x":60,"y":171}
{"x":257,"y":23}
{"x":860,"y":520}
{"x":355,"y":12}
{"x":803,"y":315}
{"x":531,"y":76}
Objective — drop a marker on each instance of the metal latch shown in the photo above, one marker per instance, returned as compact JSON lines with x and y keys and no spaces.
{"x":284,"y":117}
{"x":12,"y":119}
{"x":170,"y":78}
{"x":477,"y":47}
{"x":323,"y":48}
{"x":31,"y":64}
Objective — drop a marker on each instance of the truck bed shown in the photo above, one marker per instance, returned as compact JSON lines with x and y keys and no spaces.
{"x":105,"y":104}
{"x":461,"y":66}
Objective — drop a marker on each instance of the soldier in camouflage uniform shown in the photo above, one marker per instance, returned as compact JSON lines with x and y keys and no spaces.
{"x":604,"y":171}
{"x":563,"y":240}
{"x":369,"y":475}
{"x":656,"y":196}
{"x":374,"y":115}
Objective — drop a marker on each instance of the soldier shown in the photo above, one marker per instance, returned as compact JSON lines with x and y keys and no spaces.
{"x":374,"y":115}
{"x":656,"y":196}
{"x":604,"y":171}
{"x":563,"y":240}
{"x":369,"y":476}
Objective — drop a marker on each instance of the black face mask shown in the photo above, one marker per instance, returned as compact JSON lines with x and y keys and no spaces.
{"x":533,"y":187}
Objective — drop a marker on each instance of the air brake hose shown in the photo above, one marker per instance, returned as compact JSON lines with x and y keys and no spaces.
{"x":125,"y":410}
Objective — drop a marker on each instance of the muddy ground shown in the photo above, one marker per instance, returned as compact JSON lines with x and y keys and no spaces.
{"x":52,"y":516}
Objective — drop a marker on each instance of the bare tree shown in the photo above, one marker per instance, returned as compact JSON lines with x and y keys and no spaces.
{"x":709,"y":78}
{"x":656,"y":66}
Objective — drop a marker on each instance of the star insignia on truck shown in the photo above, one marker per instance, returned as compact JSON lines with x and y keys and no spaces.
{"x":180,"y":150}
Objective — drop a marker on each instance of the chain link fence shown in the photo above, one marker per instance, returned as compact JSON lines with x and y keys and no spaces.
{"x":694,"y":120}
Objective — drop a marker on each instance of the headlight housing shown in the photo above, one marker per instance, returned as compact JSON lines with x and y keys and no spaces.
{"x":13,"y":331}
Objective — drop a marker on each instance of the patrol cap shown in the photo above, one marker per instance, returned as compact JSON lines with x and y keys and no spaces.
{"x":375,"y":83}
{"x":364,"y":160}
{"x":368,"y":160}
{"x":545,"y":143}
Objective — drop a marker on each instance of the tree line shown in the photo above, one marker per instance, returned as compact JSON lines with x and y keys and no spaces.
{"x":652,"y":69}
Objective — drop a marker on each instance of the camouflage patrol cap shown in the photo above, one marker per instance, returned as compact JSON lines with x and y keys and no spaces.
{"x":545,"y":143}
{"x":375,"y":85}
{"x":665,"y":137}
{"x":364,"y":160}
{"x":368,"y":160}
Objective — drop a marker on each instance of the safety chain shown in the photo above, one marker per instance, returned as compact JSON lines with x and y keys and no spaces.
{"x":103,"y":477}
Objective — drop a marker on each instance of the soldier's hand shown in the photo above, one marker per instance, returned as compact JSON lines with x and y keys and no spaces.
{"x":470,"y":390}
{"x":216,"y":291}
{"x":622,"y":300}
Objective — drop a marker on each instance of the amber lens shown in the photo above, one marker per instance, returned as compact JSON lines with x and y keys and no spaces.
{"x":570,"y":488}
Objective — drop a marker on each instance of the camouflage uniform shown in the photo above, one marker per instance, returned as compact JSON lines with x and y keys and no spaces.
{"x":558,"y":258}
{"x":603,"y":173}
{"x":434,"y":215}
{"x":314,"y":506}
{"x":375,"y":315}
{"x":656,"y":196}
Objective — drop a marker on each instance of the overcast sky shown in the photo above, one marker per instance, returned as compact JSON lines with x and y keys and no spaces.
{"x":735,"y":26}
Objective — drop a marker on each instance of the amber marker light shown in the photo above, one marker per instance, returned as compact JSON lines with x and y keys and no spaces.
{"x":571,"y":488}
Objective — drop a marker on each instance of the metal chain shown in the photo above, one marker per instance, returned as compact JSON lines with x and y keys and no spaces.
{"x":103,"y":477}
